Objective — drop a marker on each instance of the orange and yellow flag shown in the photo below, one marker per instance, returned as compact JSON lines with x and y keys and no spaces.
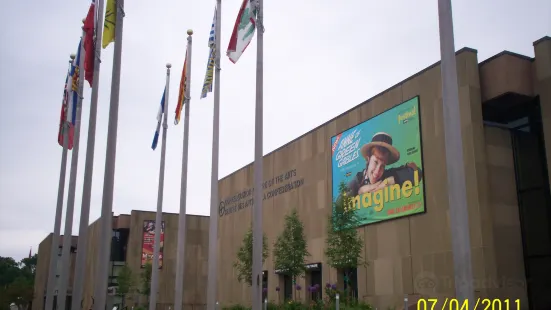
{"x":181,"y":93}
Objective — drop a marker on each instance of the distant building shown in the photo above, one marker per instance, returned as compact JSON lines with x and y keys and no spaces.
{"x":128,"y":247}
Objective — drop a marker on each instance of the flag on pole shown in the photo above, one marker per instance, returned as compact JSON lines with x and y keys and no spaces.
{"x":73,"y":93}
{"x":243,"y":31}
{"x":181,"y":93}
{"x":207,"y":84}
{"x":159,"y":120}
{"x":110,"y":23}
{"x":89,"y":43}
{"x":63,"y":117}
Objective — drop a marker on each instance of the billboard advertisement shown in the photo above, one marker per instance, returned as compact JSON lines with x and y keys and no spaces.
{"x":380,"y":162}
{"x":148,"y":242}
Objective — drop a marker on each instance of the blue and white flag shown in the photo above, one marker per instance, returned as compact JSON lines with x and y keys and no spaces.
{"x":73,"y":92}
{"x":207,"y":84}
{"x":212,"y":36}
{"x":159,"y":120}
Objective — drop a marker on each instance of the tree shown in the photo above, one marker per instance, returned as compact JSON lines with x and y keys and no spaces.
{"x":146,"y":280}
{"x":125,"y":280}
{"x":9,"y":270}
{"x":21,"y":292}
{"x":17,"y":281}
{"x":244,"y":262}
{"x":343,"y":243}
{"x":28,"y":265}
{"x":290,"y":248}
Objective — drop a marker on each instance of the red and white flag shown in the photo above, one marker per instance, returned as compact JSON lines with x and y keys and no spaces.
{"x":243,"y":30}
{"x":63,"y":117}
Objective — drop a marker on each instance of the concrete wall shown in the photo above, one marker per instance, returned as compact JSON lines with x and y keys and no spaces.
{"x":41,"y":276}
{"x":42,"y":269}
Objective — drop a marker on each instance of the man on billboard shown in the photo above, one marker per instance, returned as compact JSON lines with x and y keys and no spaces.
{"x":378,"y":154}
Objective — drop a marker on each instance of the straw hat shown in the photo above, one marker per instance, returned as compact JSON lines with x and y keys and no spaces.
{"x":384,"y":140}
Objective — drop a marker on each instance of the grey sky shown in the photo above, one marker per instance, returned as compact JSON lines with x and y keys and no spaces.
{"x":321,"y":58}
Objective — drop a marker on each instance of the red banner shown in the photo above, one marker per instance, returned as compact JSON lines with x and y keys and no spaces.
{"x":148,"y":242}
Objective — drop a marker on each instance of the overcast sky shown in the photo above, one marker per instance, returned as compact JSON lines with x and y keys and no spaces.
{"x":321,"y":58}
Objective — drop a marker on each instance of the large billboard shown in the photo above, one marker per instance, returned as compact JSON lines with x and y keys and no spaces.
{"x":380,"y":162}
{"x":148,"y":242}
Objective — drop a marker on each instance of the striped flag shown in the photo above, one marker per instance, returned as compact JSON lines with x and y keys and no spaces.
{"x":243,"y":30}
{"x":159,"y":120}
{"x":207,"y":84}
{"x":73,"y":97}
{"x":181,"y":93}
{"x":63,"y":117}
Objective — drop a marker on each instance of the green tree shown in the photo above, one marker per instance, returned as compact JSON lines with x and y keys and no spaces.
{"x":290,"y":248}
{"x":343,"y":243}
{"x":125,"y":280}
{"x":20,"y":291}
{"x":146,"y":281}
{"x":28,"y":266}
{"x":17,"y":281}
{"x":9,"y":271}
{"x":244,"y":262}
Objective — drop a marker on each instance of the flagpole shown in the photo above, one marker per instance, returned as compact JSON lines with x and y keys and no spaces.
{"x":159,"y":215}
{"x":100,"y":287}
{"x":258,"y":164}
{"x":180,"y":263}
{"x":213,"y":220}
{"x":54,"y":248}
{"x":68,"y":231}
{"x":457,"y":194}
{"x":82,"y":245}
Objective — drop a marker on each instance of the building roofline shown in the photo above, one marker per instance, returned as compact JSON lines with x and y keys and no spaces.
{"x":506,"y":53}
{"x":545,"y":38}
{"x":170,"y":213}
{"x":464,"y":49}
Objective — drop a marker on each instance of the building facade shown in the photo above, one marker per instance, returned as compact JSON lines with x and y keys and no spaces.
{"x":505,"y":115}
{"x":132,"y":245}
{"x":42,"y":265}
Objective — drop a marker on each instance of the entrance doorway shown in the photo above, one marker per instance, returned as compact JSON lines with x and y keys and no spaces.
{"x":350,"y":279}
{"x":264,"y":285}
{"x":313,"y":281}
{"x":534,"y":206}
{"x":522,"y":116}
{"x":287,"y":287}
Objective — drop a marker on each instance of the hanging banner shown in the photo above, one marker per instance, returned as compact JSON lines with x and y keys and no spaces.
{"x":148,"y":242}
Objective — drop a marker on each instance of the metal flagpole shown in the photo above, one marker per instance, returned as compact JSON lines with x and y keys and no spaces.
{"x":100,"y":287}
{"x":68,"y":231}
{"x":258,"y":164}
{"x":213,"y":220}
{"x":159,"y":215}
{"x":52,"y":270}
{"x":82,"y":246}
{"x":181,"y":256}
{"x":457,"y":193}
